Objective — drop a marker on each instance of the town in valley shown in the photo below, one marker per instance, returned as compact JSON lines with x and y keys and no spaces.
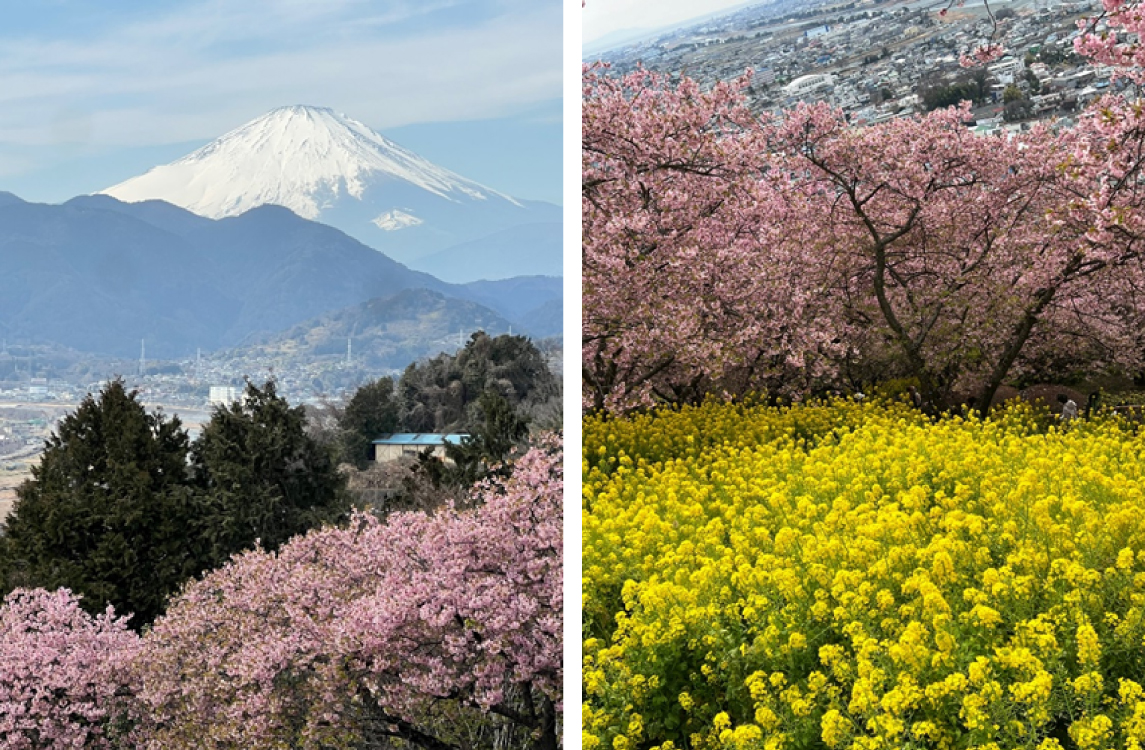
{"x":881,"y":59}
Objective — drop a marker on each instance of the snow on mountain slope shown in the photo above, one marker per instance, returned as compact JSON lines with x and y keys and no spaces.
{"x":327,"y":167}
{"x":300,"y":157}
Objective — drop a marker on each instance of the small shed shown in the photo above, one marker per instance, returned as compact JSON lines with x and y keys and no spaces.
{"x":394,"y":446}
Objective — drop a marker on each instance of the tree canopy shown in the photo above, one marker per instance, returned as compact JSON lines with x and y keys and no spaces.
{"x":442,"y":630}
{"x":263,"y":478}
{"x":108,"y":510}
{"x":64,"y":674}
{"x":725,"y":252}
{"x":371,"y":412}
{"x":123,"y":508}
{"x":442,"y":394}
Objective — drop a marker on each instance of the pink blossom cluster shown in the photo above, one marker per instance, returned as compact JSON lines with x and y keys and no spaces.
{"x":726,"y":251}
{"x":677,"y":297}
{"x":983,"y":54}
{"x":372,"y":630}
{"x":64,"y":675}
{"x":1119,"y":42}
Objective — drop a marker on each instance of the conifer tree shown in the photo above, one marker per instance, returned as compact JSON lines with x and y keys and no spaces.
{"x":442,"y":394}
{"x":484,"y":451}
{"x":264,"y":479}
{"x":108,"y":512}
{"x":372,"y":411}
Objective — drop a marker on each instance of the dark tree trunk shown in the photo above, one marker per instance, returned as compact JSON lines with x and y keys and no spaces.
{"x":1021,"y":334}
{"x":547,"y":726}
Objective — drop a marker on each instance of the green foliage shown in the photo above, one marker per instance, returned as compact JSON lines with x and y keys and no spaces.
{"x":1051,"y":54}
{"x":1135,"y":398}
{"x":108,"y":511}
{"x":894,"y":389}
{"x":970,"y":87}
{"x":263,"y":477}
{"x":1018,"y":109}
{"x":442,"y":394}
{"x":1032,"y":80}
{"x":123,"y":509}
{"x":371,"y":412}
{"x":490,"y":443}
{"x":492,"y":390}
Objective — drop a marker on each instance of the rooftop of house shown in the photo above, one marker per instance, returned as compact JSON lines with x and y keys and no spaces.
{"x":420,"y":438}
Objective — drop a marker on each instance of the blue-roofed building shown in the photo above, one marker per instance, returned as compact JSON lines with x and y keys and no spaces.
{"x":393,"y":447}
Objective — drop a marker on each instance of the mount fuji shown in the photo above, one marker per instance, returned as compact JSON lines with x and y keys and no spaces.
{"x":327,"y":167}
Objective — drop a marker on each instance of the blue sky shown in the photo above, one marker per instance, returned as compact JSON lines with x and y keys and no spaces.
{"x":94,"y":93}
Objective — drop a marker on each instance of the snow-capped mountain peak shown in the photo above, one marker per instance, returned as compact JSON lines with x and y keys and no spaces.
{"x":308,"y":159}
{"x":327,"y":167}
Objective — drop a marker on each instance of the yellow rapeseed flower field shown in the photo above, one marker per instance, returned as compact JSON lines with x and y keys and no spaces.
{"x":855,"y":576}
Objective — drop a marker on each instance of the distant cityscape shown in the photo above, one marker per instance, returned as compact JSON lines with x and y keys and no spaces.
{"x":40,"y":384}
{"x":877,"y":60}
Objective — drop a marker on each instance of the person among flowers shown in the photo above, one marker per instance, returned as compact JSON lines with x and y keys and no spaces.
{"x":1069,"y":408}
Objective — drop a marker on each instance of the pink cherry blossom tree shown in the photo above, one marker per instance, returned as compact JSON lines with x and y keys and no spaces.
{"x":800,"y":250}
{"x":1119,"y":42}
{"x":64,"y":675}
{"x":974,"y":258}
{"x":679,"y":300}
{"x":441,"y":630}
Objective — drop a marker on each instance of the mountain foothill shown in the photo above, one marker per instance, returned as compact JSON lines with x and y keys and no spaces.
{"x":158,"y":258}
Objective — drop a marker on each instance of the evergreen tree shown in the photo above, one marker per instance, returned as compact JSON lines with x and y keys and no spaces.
{"x":443,"y":393}
{"x":372,"y":411}
{"x":263,"y":477}
{"x":492,"y":440}
{"x":108,"y":512}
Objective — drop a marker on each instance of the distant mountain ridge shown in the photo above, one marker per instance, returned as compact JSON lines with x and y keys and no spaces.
{"x":328,"y":167}
{"x":387,"y":333}
{"x":98,"y":275}
{"x":497,"y":257}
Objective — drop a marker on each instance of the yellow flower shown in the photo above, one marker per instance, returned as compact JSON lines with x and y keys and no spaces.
{"x":941,"y":572}
{"x":1088,"y":647}
{"x":978,"y":670}
{"x":1129,"y":691}
{"x":1089,"y":683}
{"x":745,"y":735}
{"x":1092,"y":732}
{"x":835,"y":729}
{"x":766,"y":718}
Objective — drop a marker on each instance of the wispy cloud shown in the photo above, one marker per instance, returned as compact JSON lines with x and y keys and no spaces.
{"x":194,"y":70}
